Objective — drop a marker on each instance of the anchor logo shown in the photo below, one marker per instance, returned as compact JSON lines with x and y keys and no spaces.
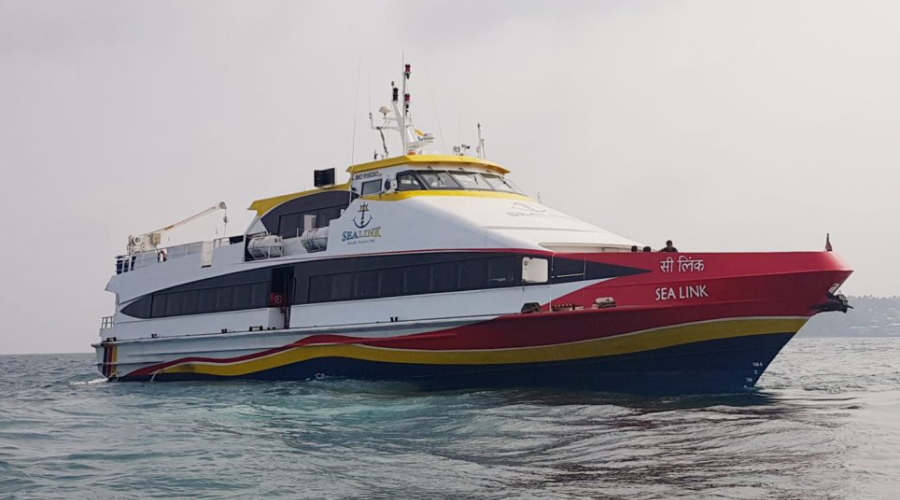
{"x":364,"y":220}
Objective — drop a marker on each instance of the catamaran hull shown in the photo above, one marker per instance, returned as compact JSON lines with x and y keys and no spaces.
{"x":706,"y":356}
{"x":717,"y":333}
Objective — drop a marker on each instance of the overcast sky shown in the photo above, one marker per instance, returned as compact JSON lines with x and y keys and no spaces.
{"x":726,"y":126}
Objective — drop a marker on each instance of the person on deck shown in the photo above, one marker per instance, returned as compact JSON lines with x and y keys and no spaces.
{"x":669,"y":247}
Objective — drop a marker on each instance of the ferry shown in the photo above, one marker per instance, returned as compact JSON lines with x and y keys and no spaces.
{"x":436,"y":269}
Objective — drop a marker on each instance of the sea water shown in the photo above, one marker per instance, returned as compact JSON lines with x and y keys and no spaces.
{"x":824,"y":423}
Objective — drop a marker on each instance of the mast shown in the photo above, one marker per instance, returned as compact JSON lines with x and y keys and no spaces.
{"x":413,"y":141}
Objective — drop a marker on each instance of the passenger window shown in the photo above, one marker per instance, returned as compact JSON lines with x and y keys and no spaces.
{"x":366,"y":285}
{"x":190,"y":304}
{"x":224,"y":298}
{"x":501,"y":271}
{"x":406,"y":181}
{"x":390,"y":282}
{"x":444,"y":277}
{"x":472,"y":274}
{"x":417,"y":279}
{"x":259,"y":295}
{"x":207,"y":300}
{"x":342,"y":286}
{"x":320,"y":288}
{"x":158,"y":309}
{"x":173,"y":304}
{"x":371,"y":187}
{"x":241,"y":297}
{"x":438,"y":180}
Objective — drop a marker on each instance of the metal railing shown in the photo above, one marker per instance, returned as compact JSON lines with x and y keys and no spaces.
{"x":127,"y":263}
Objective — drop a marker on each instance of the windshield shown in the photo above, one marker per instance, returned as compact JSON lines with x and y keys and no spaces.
{"x":441,"y":179}
{"x":407,"y":181}
{"x":471,"y":180}
{"x":438,"y":180}
{"x":500,"y":184}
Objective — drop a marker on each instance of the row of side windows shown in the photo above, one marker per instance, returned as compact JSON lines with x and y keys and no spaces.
{"x":210,"y":300}
{"x":362,"y":278}
{"x":439,"y":277}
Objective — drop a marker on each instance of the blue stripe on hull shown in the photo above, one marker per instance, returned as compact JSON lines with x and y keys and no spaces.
{"x":727,"y":365}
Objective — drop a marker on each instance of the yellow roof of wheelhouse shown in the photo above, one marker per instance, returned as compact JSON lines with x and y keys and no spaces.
{"x":422,"y":159}
{"x":266,"y":204}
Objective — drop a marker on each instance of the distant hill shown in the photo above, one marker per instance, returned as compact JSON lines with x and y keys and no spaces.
{"x":870,"y":317}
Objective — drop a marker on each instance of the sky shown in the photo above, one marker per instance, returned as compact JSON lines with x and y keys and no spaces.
{"x":725,"y":126}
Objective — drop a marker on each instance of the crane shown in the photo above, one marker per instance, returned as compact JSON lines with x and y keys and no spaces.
{"x":150,"y":241}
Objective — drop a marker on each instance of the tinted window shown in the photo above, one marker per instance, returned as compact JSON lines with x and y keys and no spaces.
{"x":320,"y":288}
{"x":342,"y":286}
{"x":417,"y":280}
{"x":390,"y":282}
{"x":140,"y":308}
{"x":191,"y":302}
{"x":241,"y":297}
{"x":259,"y":295}
{"x":371,"y":187}
{"x":366,"y":285}
{"x":471,"y":180}
{"x":173,"y":304}
{"x":499,"y":183}
{"x":224,"y":298}
{"x":289,"y":225}
{"x":407,"y":181}
{"x":326,"y":215}
{"x":473,"y":274}
{"x":567,"y":269}
{"x":438,"y":180}
{"x":159,"y":306}
{"x":207,"y":300}
{"x":502,"y":271}
{"x":444,"y":277}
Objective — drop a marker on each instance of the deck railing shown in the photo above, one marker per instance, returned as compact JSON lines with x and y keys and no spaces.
{"x":127,"y":263}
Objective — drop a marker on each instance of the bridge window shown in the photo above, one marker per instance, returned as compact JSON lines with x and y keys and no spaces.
{"x":438,"y":180}
{"x":500,"y":184}
{"x":371,"y":187}
{"x":407,"y":181}
{"x":471,"y":180}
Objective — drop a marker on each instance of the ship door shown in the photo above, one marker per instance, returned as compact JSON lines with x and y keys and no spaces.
{"x":281,"y":296}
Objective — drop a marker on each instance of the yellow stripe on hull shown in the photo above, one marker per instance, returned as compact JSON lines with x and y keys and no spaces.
{"x":622,"y":344}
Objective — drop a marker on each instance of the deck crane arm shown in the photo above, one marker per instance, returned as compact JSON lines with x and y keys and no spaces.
{"x":150,"y":241}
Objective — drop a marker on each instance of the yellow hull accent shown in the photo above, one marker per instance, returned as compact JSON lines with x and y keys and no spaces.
{"x":621,"y":344}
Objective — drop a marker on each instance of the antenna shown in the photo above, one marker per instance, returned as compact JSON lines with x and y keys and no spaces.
{"x":355,"y":109}
{"x":480,"y":148}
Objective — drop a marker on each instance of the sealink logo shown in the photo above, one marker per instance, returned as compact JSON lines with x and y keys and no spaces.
{"x":366,"y":234}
